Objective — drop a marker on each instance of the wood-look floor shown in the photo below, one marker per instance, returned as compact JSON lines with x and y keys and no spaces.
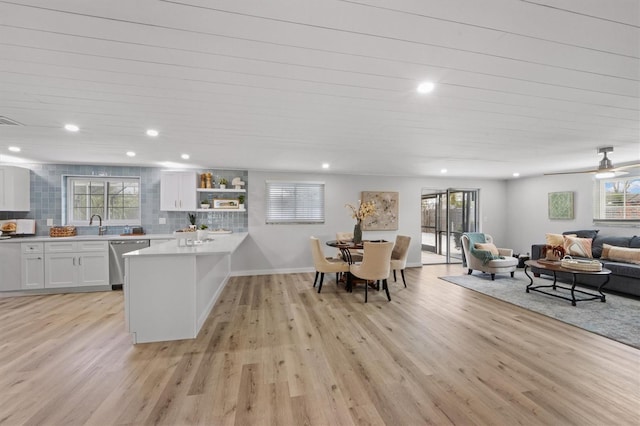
{"x":275,"y":352}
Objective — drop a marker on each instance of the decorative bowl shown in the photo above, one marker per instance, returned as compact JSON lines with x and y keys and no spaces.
{"x":205,"y":206}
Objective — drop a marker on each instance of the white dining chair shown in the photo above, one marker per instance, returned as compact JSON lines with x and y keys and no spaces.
{"x":325,"y":264}
{"x":375,"y":266}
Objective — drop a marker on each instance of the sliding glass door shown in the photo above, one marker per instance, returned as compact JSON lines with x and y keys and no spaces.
{"x":446,"y":215}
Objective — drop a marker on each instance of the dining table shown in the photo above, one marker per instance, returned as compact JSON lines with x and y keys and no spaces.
{"x":345,"y":248}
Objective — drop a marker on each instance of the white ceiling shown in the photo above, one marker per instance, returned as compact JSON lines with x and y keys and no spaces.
{"x":528,"y":86}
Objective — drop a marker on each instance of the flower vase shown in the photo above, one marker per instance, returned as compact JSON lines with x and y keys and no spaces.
{"x":357,"y":233}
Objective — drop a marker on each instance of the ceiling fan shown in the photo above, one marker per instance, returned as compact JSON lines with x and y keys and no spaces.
{"x":605,"y":167}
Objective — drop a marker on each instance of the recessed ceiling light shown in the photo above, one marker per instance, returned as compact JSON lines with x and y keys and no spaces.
{"x":71,"y":127}
{"x":325,"y":165}
{"x":131,"y":154}
{"x":516,"y":174}
{"x":443,"y":171}
{"x":426,"y":87}
{"x":185,"y":156}
{"x":14,"y":149}
{"x":152,"y":132}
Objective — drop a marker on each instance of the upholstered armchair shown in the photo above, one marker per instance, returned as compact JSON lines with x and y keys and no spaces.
{"x":482,"y":255}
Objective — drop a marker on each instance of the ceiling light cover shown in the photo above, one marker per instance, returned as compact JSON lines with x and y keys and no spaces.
{"x":14,"y":149}
{"x":71,"y":127}
{"x":131,"y":154}
{"x":426,"y":87}
{"x":325,"y":165}
{"x":443,"y":171}
{"x":516,"y":174}
{"x":152,"y":132}
{"x":185,"y":156}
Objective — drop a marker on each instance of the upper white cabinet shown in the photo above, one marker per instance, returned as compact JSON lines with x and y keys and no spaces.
{"x":177,"y":191}
{"x":14,"y":189}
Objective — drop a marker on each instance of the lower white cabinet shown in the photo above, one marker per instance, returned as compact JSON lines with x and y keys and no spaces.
{"x":32,"y":265}
{"x":76,"y":264}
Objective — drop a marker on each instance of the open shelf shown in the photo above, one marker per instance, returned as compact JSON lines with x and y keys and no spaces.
{"x":221,"y":210}
{"x":219,"y":190}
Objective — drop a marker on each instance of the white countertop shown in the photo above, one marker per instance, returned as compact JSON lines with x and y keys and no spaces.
{"x":111,"y":237}
{"x":222,"y":243}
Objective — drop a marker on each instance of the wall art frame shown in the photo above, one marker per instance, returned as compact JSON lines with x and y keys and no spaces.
{"x":561,"y":205}
{"x":386,"y":217}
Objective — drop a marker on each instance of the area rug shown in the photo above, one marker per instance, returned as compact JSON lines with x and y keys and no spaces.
{"x":618,"y":318}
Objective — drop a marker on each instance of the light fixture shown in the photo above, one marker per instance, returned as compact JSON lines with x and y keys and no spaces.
{"x":605,"y":175}
{"x":516,"y":174}
{"x":325,"y":165}
{"x":426,"y":87}
{"x":443,"y":171}
{"x":131,"y":154}
{"x":71,"y":127}
{"x":14,"y":149}
{"x":185,"y":156}
{"x":152,"y":132}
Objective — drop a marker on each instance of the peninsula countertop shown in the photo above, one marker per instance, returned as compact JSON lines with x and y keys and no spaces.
{"x":222,"y":243}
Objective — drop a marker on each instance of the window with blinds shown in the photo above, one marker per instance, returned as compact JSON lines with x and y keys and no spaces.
{"x":295,"y":202}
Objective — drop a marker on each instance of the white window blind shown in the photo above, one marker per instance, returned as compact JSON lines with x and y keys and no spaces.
{"x":295,"y":202}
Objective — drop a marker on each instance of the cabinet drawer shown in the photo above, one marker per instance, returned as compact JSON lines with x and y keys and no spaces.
{"x":60,"y":247}
{"x":28,"y":248}
{"x":92,"y":246}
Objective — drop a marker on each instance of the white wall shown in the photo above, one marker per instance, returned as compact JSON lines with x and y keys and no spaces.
{"x":528,"y":219}
{"x":285,"y":248}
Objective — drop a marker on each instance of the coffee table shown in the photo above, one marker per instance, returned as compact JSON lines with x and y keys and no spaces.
{"x":554,"y":267}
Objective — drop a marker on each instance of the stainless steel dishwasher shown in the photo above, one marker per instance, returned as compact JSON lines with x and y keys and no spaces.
{"x":116,"y":261}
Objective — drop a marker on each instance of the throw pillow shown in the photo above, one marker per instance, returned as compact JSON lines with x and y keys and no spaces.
{"x":557,"y":239}
{"x":580,"y":247}
{"x":621,"y":254}
{"x":490,"y":247}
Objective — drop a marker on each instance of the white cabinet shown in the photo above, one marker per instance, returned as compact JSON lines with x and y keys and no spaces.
{"x":32,"y":263}
{"x":177,"y":191}
{"x":10,"y":266}
{"x":15,"y":187}
{"x":76,"y":264}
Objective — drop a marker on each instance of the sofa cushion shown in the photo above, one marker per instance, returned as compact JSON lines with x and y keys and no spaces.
{"x":583,"y":233}
{"x":623,"y":269}
{"x":580,"y":247}
{"x":556,"y":239}
{"x":635,"y":242}
{"x":491,"y":248}
{"x":621,"y":254}
{"x":596,"y":247}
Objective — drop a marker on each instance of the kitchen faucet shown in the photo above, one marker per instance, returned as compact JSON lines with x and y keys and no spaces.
{"x":101,"y":228}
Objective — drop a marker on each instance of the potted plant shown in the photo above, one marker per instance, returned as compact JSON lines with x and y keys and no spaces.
{"x":241,"y":202}
{"x":223,"y":183}
{"x":204,"y":204}
{"x":192,"y":221}
{"x":201,"y":233}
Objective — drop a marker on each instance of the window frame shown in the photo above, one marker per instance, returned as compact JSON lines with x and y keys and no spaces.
{"x":106,"y":219}
{"x":600,"y":200}
{"x":298,"y":218}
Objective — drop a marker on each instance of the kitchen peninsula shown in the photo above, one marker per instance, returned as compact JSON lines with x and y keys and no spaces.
{"x":170,"y":290}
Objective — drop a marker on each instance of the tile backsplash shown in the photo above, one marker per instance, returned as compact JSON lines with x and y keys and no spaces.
{"x":48,"y":196}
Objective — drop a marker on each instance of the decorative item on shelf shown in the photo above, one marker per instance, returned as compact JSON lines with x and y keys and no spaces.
{"x":225,"y":204}
{"x":204,"y":205}
{"x":237,"y":183}
{"x":203,"y":180}
{"x":209,"y":181}
{"x":223,"y":183}
{"x":241,"y":202}
{"x":359,"y":213}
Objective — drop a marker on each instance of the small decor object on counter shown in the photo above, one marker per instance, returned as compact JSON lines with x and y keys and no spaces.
{"x":553,"y":252}
{"x":62,"y":231}
{"x":581,"y":265}
{"x":223,"y":183}
{"x":192,"y":220}
{"x":363,"y":210}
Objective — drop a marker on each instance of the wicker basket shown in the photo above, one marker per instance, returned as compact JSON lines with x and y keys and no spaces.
{"x":581,"y":265}
{"x":62,"y":231}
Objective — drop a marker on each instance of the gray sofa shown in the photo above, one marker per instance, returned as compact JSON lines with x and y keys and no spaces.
{"x":625,"y":277}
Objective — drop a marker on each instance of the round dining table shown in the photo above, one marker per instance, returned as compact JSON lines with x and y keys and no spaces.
{"x":345,"y":248}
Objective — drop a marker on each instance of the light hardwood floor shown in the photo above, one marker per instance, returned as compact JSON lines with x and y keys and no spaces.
{"x":275,"y":352}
